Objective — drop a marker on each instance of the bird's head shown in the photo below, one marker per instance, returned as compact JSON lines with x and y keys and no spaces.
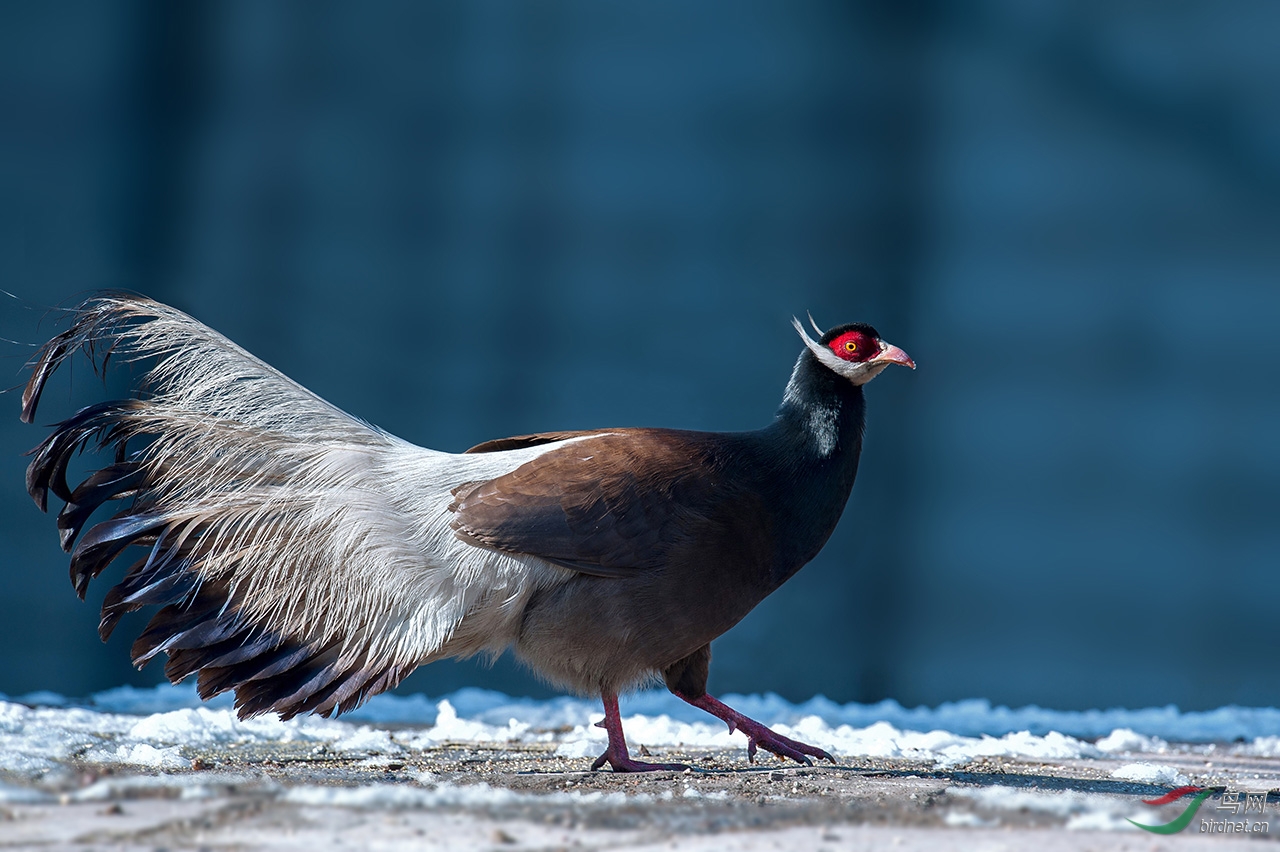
{"x":854,"y":351}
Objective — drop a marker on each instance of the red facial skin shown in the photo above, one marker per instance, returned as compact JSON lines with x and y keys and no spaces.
{"x":864,"y":346}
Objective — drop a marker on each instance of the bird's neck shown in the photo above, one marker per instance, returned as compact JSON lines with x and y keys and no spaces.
{"x":815,"y":442}
{"x":822,"y":413}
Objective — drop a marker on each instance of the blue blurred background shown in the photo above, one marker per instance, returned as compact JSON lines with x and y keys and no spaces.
{"x":463,"y":220}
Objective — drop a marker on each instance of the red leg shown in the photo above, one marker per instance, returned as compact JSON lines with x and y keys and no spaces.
{"x":616,"y":754}
{"x":757,"y":734}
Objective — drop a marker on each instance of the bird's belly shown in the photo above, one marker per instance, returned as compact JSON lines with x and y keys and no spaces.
{"x":594,"y":634}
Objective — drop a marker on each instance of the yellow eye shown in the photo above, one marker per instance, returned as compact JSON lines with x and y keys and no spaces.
{"x":850,"y":346}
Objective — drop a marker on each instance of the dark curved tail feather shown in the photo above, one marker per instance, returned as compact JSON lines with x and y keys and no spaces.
{"x":107,"y":421}
{"x":107,"y":540}
{"x":115,"y":482}
{"x":97,"y":328}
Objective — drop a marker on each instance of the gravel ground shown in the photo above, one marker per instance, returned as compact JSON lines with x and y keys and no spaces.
{"x":465,"y":797}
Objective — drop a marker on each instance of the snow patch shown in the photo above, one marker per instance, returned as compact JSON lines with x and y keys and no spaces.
{"x":964,"y":819}
{"x":1126,"y":741}
{"x":1151,"y":773}
{"x":140,"y":754}
{"x":449,"y":727}
{"x":366,"y":740}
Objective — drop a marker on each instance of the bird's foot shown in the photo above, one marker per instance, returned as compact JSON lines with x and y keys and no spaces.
{"x":624,"y":763}
{"x":758,"y":735}
{"x":784,"y":747}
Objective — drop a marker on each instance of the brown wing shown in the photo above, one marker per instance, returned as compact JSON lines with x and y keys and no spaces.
{"x":608,"y":505}
{"x":521,"y":441}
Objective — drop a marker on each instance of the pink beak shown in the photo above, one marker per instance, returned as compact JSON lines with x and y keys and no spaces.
{"x":894,"y":355}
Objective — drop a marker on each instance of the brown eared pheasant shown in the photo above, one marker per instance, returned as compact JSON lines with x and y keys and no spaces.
{"x":308,"y":560}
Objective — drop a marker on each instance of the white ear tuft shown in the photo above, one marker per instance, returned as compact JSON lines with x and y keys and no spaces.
{"x":804,"y":335}
{"x":815,"y":325}
{"x":823,"y":354}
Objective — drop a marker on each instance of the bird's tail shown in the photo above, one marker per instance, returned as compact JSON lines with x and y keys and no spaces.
{"x":285,"y":542}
